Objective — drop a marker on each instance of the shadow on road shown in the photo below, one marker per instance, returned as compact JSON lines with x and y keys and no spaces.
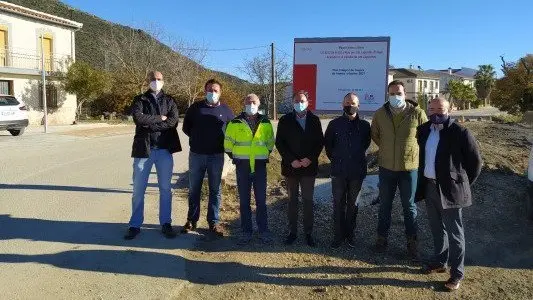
{"x":204,"y":272}
{"x":65,"y":188}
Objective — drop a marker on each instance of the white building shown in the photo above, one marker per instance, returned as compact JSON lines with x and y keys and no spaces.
{"x":418,"y":83}
{"x":23,"y":33}
{"x":446,"y":75}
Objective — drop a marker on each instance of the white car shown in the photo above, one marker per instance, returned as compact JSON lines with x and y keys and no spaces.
{"x":13,"y":115}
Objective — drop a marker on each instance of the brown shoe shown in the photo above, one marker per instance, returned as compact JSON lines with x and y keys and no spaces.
{"x":453,"y":284}
{"x":412,"y":246}
{"x":216,"y":229}
{"x":381,"y":244}
{"x":432,"y":268}
{"x":189,"y":226}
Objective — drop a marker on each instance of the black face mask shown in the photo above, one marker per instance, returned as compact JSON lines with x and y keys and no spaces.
{"x":350,"y":110}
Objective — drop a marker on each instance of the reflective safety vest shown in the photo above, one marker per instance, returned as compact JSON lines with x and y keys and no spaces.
{"x":243,"y":144}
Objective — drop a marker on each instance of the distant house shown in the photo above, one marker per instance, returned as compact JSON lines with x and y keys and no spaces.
{"x":23,"y":33}
{"x":446,"y":75}
{"x":418,"y":83}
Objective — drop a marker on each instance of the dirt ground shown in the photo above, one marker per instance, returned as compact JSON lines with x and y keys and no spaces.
{"x":499,"y":251}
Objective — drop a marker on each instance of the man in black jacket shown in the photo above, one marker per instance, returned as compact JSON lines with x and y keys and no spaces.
{"x":156,"y":117}
{"x":450,"y":162}
{"x":299,"y":141}
{"x":347,"y":139}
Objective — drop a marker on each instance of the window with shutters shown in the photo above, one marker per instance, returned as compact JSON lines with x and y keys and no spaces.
{"x":51,"y":95}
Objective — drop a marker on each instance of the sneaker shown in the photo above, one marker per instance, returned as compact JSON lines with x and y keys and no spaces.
{"x":132,"y":233}
{"x":216,"y":229}
{"x":453,"y":284}
{"x":336,"y":244}
{"x":244,"y":239}
{"x":351,"y":241}
{"x":433,"y":268}
{"x":310,"y":240}
{"x":189,"y":226}
{"x":265,"y":238}
{"x":412,"y":246}
{"x":291,"y":238}
{"x":168,"y":231}
{"x":381,"y":244}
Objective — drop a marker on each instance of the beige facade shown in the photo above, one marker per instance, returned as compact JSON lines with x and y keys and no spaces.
{"x":24,"y":34}
{"x":418,"y":83}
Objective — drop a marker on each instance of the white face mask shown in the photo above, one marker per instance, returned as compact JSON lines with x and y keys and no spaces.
{"x":156,"y":85}
{"x":212,"y":98}
{"x":251,"y":109}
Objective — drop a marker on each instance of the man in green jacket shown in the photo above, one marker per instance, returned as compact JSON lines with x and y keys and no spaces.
{"x":394,"y":131}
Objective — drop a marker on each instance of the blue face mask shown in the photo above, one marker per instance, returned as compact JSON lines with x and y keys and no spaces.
{"x":300,"y":106}
{"x":212,"y":98}
{"x":396,"y":101}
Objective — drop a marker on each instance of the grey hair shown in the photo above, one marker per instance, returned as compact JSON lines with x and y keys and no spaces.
{"x":252,"y":96}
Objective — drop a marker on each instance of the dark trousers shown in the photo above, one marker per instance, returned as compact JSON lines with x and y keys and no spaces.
{"x":307,"y":186}
{"x":448,"y":232}
{"x":389,"y":181}
{"x":530,"y":203}
{"x":245,"y":180}
{"x":345,"y":193}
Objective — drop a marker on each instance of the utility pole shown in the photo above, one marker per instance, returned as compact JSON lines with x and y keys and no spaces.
{"x":43,"y":73}
{"x":273,"y":80}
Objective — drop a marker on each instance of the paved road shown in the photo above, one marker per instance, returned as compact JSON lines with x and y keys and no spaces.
{"x":64,"y":201}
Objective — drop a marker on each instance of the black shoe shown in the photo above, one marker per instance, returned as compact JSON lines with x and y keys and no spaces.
{"x":216,"y":229}
{"x":310,"y":241}
{"x":351,"y":241}
{"x":291,"y":238}
{"x":168,"y":231}
{"x":336,"y":244}
{"x":132,"y":233}
{"x":189,"y":226}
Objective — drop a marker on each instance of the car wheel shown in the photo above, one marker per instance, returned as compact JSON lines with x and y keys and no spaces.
{"x":16,"y":132}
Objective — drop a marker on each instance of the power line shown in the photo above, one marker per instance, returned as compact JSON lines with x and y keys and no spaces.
{"x":289,"y":55}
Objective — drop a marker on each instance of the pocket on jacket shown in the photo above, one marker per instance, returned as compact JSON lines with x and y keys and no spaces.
{"x":457,"y":177}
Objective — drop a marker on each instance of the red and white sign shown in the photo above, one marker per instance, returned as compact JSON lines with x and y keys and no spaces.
{"x":329,"y":68}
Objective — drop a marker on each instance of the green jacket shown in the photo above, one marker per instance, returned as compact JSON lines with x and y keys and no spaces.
{"x":398,"y":148}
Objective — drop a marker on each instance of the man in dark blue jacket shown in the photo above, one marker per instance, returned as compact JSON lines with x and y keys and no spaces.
{"x":346,"y":140}
{"x":156,"y":117}
{"x":205,"y":123}
{"x":450,"y":162}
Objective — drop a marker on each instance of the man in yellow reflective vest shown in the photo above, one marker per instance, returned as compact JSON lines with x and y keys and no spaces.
{"x":248,"y":141}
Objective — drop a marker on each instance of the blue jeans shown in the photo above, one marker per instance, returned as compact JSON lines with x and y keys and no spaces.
{"x":198,"y":165}
{"x":245,"y":181}
{"x":164,"y":164}
{"x":388,"y":182}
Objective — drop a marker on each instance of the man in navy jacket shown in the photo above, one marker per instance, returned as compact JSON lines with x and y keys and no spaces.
{"x":346,"y":140}
{"x":204,"y":124}
{"x":450,"y":162}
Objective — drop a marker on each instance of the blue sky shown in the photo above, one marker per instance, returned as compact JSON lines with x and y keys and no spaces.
{"x":430,"y":34}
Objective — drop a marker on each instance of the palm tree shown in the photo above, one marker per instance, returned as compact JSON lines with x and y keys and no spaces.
{"x":485,"y":79}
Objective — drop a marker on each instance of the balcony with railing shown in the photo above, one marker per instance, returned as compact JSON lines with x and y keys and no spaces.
{"x":28,"y":63}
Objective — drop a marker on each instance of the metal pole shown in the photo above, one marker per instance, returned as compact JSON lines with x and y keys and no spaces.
{"x":43,"y":72}
{"x":273,"y":74}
